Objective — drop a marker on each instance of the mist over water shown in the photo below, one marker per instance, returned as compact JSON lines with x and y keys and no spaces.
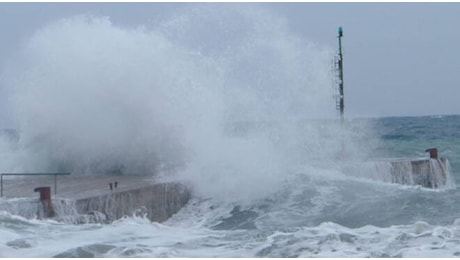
{"x":224,"y":97}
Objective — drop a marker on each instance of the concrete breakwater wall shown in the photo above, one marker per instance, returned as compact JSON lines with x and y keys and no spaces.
{"x":427,"y":173}
{"x":91,"y":199}
{"x":157,"y":202}
{"x":24,"y":207}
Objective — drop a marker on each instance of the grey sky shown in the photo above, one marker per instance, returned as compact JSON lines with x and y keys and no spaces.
{"x":399,"y":58}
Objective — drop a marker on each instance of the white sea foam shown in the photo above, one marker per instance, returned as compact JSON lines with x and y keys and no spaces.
{"x":137,"y":237}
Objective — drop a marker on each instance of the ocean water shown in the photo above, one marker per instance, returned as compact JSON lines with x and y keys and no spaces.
{"x":228,"y":100}
{"x":316,"y":212}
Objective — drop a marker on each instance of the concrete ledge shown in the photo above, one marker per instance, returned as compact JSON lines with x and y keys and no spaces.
{"x":428,"y":173}
{"x":425,"y":172}
{"x":90,"y":199}
{"x":157,"y":202}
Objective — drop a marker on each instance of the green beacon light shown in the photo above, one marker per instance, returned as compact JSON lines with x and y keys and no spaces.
{"x":340,"y":31}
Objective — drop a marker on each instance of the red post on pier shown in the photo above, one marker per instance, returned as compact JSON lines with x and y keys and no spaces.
{"x":433,"y":153}
{"x":45,"y":198}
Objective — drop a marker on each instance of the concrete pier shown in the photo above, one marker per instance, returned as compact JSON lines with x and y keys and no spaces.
{"x":433,"y":172}
{"x":425,"y":172}
{"x":428,"y":173}
{"x":86,"y":199}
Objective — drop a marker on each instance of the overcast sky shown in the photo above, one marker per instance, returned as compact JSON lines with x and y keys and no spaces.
{"x":399,"y":58}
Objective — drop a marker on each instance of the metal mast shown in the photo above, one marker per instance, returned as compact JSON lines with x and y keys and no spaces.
{"x":340,"y":68}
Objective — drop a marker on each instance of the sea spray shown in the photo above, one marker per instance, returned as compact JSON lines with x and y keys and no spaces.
{"x":94,"y":98}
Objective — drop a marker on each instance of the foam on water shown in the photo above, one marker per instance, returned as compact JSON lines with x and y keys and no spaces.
{"x":327,"y":214}
{"x":137,"y":237}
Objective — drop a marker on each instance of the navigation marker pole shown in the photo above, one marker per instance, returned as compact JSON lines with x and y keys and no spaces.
{"x":341,"y":104}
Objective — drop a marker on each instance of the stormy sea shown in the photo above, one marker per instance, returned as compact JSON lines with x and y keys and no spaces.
{"x":240,"y":109}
